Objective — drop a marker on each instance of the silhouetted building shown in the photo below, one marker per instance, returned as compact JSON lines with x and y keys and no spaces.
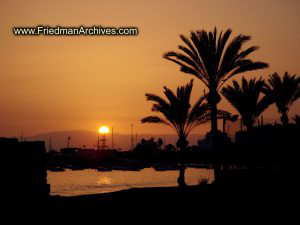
{"x":260,"y":157}
{"x":25,"y":176}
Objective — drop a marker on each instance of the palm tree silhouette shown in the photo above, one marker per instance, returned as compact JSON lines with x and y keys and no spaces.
{"x":180,"y":116}
{"x":246,"y":99}
{"x":284,"y":92}
{"x":206,"y":56}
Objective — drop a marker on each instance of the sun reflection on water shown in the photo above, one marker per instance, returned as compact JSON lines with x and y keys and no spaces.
{"x":104,"y":181}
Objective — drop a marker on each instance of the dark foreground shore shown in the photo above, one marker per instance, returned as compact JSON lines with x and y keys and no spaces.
{"x":200,"y":196}
{"x":132,"y":198}
{"x":206,"y":201}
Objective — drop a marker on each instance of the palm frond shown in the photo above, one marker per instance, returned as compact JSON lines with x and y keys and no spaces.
{"x":154,"y":119}
{"x":284,"y":91}
{"x":177,"y":110}
{"x":208,"y":56}
{"x":245,"y":98}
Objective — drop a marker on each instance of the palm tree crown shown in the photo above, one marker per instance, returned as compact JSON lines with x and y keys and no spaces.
{"x":178,"y":112}
{"x":246,"y":99}
{"x":206,"y":56}
{"x":284,"y":92}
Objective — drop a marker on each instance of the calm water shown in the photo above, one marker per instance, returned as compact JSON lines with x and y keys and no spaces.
{"x":89,"y":181}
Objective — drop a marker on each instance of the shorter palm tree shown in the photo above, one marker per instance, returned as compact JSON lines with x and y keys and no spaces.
{"x":246,"y":99}
{"x":284,"y":92}
{"x":180,"y":116}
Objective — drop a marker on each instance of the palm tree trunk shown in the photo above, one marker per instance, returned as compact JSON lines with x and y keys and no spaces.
{"x":182,"y":143}
{"x":215,"y":99}
{"x":214,"y":120}
{"x":181,"y":178}
{"x":284,"y":117}
{"x":249,"y":127}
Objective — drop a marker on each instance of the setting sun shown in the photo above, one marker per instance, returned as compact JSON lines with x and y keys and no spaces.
{"x":103,"y":130}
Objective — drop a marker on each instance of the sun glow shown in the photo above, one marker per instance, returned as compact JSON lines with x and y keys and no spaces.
{"x":103,"y":130}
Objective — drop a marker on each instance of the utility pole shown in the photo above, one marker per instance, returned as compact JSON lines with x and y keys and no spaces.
{"x":22,"y":134}
{"x":68,"y":142}
{"x":98,"y":142}
{"x":132,"y":139}
{"x":50,"y":144}
{"x":112,"y":138}
{"x":136,"y":138}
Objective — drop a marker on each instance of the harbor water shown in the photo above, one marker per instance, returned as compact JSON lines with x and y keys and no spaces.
{"x":91,"y":181}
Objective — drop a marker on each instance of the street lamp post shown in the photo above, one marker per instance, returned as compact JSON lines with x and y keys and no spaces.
{"x":112,"y":138}
{"x":98,"y":141}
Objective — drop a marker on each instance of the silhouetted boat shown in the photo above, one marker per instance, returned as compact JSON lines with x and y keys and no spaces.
{"x":127,"y":168}
{"x":57,"y":169}
{"x":165,"y":167}
{"x":104,"y":169}
{"x":75,"y":167}
{"x":198,"y":165}
{"x":133,"y":168}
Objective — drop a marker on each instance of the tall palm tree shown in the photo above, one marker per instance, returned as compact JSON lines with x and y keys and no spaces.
{"x":284,"y":92}
{"x":180,"y":116}
{"x":246,"y":99}
{"x":206,"y":56}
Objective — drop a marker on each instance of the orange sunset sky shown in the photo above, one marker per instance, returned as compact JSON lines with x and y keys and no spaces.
{"x":79,"y":83}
